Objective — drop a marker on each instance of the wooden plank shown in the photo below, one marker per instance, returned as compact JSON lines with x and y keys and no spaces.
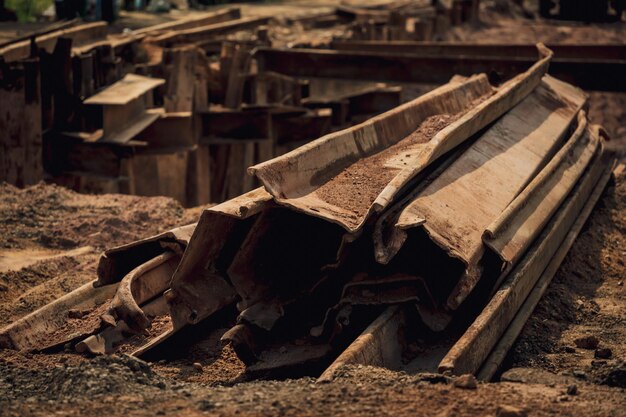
{"x":60,"y":75}
{"x":218,"y":141}
{"x":380,"y":345}
{"x":236,"y":124}
{"x":199,"y":177}
{"x":237,"y":73}
{"x":172,"y":174}
{"x":265,"y":150}
{"x":26,"y":332}
{"x":375,"y":346}
{"x":366,"y":102}
{"x":116,"y":43}
{"x":54,"y":27}
{"x":181,"y":80}
{"x":339,"y":109}
{"x":124,"y":105}
{"x":506,"y":97}
{"x":236,"y":165}
{"x":274,"y":88}
{"x":124,"y":133}
{"x":511,"y":233}
{"x":249,"y":181}
{"x":331,"y":154}
{"x":192,"y":299}
{"x":117,"y":117}
{"x":67,"y":154}
{"x":201,"y":86}
{"x":117,"y":262}
{"x":32,"y":171}
{"x":374,"y":101}
{"x":162,"y":173}
{"x":21,"y":161}
{"x":145,"y":175}
{"x":170,"y":130}
{"x":314,"y":124}
{"x":362,"y":15}
{"x":218,"y":155}
{"x":83,"y":74}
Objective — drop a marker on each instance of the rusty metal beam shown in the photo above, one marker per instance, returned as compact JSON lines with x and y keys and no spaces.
{"x":473,"y":348}
{"x":589,"y":74}
{"x":501,"y":349}
{"x":204,"y":33}
{"x":302,"y":179}
{"x":561,"y":51}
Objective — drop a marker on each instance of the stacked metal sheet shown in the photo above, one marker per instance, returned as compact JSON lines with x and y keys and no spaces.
{"x":418,"y":212}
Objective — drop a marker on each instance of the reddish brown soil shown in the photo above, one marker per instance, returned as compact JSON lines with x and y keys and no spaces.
{"x":74,"y":327}
{"x":31,"y":287}
{"x":586,"y":298}
{"x":158,"y":326}
{"x":54,"y":219}
{"x":218,"y":365}
{"x":34,"y":360}
{"x":73,"y":219}
{"x":357,"y":186}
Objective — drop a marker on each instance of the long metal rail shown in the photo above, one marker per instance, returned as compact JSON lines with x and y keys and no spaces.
{"x":527,"y":50}
{"x":589,"y":74}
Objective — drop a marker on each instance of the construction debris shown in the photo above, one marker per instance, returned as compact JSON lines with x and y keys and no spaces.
{"x":355,"y":227}
{"x":459,"y":152}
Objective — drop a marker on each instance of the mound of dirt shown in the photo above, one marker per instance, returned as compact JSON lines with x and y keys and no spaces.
{"x":102,"y":376}
{"x":55,"y":217}
{"x":52,"y":237}
{"x":586,"y":298}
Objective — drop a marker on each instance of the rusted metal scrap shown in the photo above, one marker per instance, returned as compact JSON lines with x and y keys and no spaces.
{"x":573,"y":181}
{"x":356,"y":237}
{"x":572,"y":174}
{"x":129,"y":277}
{"x":270,"y":297}
{"x":457,"y":207}
{"x":348,"y":176}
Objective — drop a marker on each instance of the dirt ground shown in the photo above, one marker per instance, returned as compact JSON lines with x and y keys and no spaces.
{"x":51,"y":238}
{"x":54,"y":237}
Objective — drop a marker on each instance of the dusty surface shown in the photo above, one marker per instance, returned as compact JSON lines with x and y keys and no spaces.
{"x":53,"y":237}
{"x":74,"y":326}
{"x":124,"y":386}
{"x":201,"y":378}
{"x":587,"y":298}
{"x":158,"y":326}
{"x":356,"y":187}
{"x":609,"y":110}
{"x":42,"y":228}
